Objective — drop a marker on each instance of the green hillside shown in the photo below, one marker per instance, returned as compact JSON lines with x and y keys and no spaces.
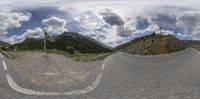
{"x":4,"y":45}
{"x":70,"y":42}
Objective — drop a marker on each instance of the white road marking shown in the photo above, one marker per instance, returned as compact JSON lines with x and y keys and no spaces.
{"x":1,"y":55}
{"x":19,"y":89}
{"x":4,"y":65}
{"x":87,"y":89}
{"x":103,"y":66}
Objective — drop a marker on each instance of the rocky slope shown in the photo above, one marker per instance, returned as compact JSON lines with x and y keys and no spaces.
{"x":153,"y":44}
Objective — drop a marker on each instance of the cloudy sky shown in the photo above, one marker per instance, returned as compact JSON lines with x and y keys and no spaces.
{"x":111,"y":22}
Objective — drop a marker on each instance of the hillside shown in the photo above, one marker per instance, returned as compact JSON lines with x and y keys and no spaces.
{"x":197,"y":42}
{"x":194,"y":44}
{"x":153,"y":44}
{"x":4,"y":44}
{"x":70,"y":42}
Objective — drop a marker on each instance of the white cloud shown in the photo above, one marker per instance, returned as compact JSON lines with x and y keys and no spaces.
{"x":153,"y":28}
{"x":13,"y":39}
{"x":55,"y":24}
{"x":12,"y":20}
{"x":36,"y":33}
{"x":89,"y":23}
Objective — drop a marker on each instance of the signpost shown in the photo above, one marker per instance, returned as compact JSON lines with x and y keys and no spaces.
{"x":46,"y":37}
{"x":44,"y":29}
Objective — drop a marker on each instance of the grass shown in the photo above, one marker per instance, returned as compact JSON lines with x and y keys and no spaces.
{"x":195,"y":46}
{"x":76,"y":56}
{"x":11,"y":54}
{"x":81,"y":56}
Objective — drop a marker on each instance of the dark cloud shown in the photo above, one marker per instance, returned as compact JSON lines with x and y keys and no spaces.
{"x":188,"y":20}
{"x":167,"y":22}
{"x":196,"y":33}
{"x":163,"y":21}
{"x":124,"y":32}
{"x":142,"y":23}
{"x":112,"y":18}
{"x":101,"y":37}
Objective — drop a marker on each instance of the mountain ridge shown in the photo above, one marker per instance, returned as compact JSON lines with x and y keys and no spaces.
{"x":68,"y":41}
{"x":153,"y":44}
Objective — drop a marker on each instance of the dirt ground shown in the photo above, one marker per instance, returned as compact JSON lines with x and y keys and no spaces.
{"x":52,"y":68}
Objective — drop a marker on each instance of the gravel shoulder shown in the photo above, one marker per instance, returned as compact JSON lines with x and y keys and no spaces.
{"x":52,"y":69}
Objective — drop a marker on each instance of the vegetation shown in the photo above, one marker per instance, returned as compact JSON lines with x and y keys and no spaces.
{"x":68,"y":42}
{"x":83,"y":48}
{"x":74,"y":45}
{"x":75,"y":56}
{"x":194,"y":44}
{"x":81,"y":56}
{"x":4,"y":45}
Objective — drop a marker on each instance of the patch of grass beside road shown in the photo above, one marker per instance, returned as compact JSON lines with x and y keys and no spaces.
{"x":195,"y":46}
{"x":81,"y":56}
{"x":76,"y":56}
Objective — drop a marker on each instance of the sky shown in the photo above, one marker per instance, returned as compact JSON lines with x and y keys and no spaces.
{"x":112,"y":22}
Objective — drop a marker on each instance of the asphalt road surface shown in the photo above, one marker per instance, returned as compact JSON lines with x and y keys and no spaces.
{"x":173,"y":76}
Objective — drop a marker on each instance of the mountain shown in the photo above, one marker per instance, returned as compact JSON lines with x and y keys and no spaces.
{"x":67,"y":41}
{"x":153,"y":44}
{"x":4,"y":44}
{"x":197,"y":42}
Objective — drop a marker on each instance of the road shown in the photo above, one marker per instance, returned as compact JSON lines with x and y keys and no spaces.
{"x":173,"y":76}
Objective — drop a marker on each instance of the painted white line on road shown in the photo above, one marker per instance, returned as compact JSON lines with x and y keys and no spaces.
{"x":19,"y":89}
{"x":103,"y":66}
{"x":4,"y":65}
{"x":87,"y":89}
{"x":1,"y":55}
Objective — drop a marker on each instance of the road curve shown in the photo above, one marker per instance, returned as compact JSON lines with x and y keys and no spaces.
{"x":173,"y":76}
